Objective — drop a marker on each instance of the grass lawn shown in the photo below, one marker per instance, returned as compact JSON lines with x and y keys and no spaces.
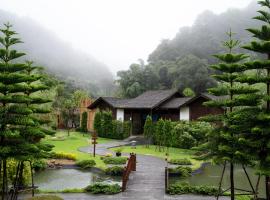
{"x":70,"y":144}
{"x":173,"y":153}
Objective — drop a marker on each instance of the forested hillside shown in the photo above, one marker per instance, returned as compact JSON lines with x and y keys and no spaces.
{"x":183,"y":61}
{"x":59,"y":58}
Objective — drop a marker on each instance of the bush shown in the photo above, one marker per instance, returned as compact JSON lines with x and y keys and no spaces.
{"x":86,"y":164}
{"x":46,"y":197}
{"x":62,"y":155}
{"x":184,"y":161}
{"x":101,"y":188}
{"x":184,"y":188}
{"x":186,"y":141}
{"x":115,"y":171}
{"x":115,"y":160}
{"x":181,"y":170}
{"x":39,"y":165}
{"x":84,"y":122}
{"x":108,"y":128}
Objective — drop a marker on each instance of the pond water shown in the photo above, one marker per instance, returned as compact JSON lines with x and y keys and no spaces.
{"x":210,"y":175}
{"x":60,"y":179}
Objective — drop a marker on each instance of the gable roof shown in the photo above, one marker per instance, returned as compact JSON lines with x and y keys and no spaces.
{"x":175,"y":103}
{"x":112,"y":101}
{"x":147,"y":100}
{"x":151,"y":99}
{"x":205,"y":96}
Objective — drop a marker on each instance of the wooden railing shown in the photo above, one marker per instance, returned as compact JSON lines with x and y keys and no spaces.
{"x":166,"y":179}
{"x":131,"y":166}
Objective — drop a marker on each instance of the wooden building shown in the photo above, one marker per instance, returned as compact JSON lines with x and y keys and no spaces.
{"x":166,"y":104}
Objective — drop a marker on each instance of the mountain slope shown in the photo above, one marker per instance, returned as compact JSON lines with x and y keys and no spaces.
{"x":58,"y":57}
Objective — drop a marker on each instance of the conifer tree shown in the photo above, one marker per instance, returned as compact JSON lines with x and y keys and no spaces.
{"x":261,"y":132}
{"x":225,"y":141}
{"x":148,"y":130}
{"x":20,"y":125}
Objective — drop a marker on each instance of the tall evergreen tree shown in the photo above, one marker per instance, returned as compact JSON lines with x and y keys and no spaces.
{"x":225,"y":141}
{"x":262,"y":129}
{"x":20,"y":130}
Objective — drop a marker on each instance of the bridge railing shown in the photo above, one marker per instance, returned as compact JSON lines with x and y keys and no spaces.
{"x":131,"y":166}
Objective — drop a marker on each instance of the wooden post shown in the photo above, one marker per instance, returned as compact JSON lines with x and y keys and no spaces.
{"x":94,"y":142}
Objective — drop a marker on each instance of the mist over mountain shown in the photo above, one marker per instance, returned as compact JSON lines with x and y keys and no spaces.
{"x":204,"y":37}
{"x":59,"y":58}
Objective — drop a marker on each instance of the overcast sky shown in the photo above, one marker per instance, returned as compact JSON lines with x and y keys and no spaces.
{"x":116,"y":32}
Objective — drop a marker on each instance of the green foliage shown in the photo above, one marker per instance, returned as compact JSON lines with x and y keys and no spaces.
{"x":115,"y":171}
{"x":39,"y":165}
{"x":182,"y":171}
{"x":84,"y":122}
{"x":100,"y":188}
{"x":62,"y":155}
{"x":183,"y":134}
{"x":45,"y":197}
{"x":106,"y":127}
{"x":148,"y":129}
{"x":184,"y":188}
{"x":86,"y":164}
{"x":115,"y":160}
{"x":188,"y":92}
{"x":183,"y":161}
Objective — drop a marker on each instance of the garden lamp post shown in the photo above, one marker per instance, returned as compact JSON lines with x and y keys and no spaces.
{"x":94,"y":142}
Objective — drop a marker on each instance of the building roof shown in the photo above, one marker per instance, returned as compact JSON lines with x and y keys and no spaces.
{"x":147,"y":100}
{"x":164,"y":99}
{"x":175,"y":103}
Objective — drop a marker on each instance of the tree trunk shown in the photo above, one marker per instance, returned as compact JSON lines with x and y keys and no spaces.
{"x":267,"y":187}
{"x":232,"y":181}
{"x":4,"y":186}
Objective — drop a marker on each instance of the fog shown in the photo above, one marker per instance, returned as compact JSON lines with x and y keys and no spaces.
{"x":115,"y":33}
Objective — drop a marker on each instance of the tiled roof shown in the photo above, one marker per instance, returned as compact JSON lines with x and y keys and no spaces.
{"x":175,"y":103}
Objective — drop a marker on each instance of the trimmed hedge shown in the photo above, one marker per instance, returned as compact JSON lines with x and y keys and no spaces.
{"x":86,"y":164}
{"x":115,"y":160}
{"x":181,"y":171}
{"x":61,"y":155}
{"x":183,"y":161}
{"x":101,"y":188}
{"x":39,"y":165}
{"x":46,"y":197}
{"x":115,"y":171}
{"x":106,"y":127}
{"x":185,"y":188}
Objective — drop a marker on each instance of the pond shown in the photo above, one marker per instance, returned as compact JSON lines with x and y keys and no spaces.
{"x":60,"y":179}
{"x":210,"y":175}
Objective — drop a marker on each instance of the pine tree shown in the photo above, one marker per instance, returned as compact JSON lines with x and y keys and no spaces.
{"x":261,"y":132}
{"x":225,"y":141}
{"x":20,"y":130}
{"x":84,"y":122}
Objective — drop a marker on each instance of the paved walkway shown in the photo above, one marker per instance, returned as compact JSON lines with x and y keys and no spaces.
{"x":146,"y":183}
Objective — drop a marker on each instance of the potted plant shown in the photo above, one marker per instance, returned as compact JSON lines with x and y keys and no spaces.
{"x":118,"y":152}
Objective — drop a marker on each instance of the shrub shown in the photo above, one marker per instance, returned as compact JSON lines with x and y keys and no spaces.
{"x":39,"y":165}
{"x":181,"y":170}
{"x":84,"y":122}
{"x":86,"y":164}
{"x":108,"y":128}
{"x":184,"y":188}
{"x":115,"y":171}
{"x":184,"y":161}
{"x":101,"y":188}
{"x":115,"y":160}
{"x":62,"y":155}
{"x":46,"y":197}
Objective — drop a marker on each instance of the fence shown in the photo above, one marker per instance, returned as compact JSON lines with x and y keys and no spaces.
{"x":131,"y":166}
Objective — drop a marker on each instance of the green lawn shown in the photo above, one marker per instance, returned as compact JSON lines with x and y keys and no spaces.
{"x":70,"y":144}
{"x":173,"y":153}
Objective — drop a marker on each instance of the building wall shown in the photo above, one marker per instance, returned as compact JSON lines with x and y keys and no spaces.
{"x":90,"y":113}
{"x":184,"y":113}
{"x":120,"y":114}
{"x":197,"y":109}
